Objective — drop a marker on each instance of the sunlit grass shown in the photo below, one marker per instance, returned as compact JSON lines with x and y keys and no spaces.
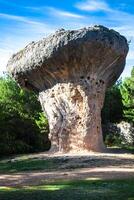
{"x":49,"y":187}
{"x":72,"y":190}
{"x":4,"y":189}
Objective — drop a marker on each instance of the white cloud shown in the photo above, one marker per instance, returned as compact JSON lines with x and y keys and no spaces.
{"x":62,"y":13}
{"x":93,"y":5}
{"x":130,"y":55}
{"x":128,"y":30}
{"x":12,"y":40}
{"x":19,"y":18}
{"x":128,"y":69}
{"x":4,"y":57}
{"x":55,"y":12}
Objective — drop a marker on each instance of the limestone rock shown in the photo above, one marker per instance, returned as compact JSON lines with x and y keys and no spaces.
{"x":122,"y":131}
{"x":71,"y":71}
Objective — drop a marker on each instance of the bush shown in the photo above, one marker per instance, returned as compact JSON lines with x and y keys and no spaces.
{"x":120,"y":134}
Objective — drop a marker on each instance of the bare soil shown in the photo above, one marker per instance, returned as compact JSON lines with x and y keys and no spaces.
{"x":74,"y":166}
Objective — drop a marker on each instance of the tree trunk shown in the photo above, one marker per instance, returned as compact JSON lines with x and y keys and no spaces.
{"x":74,"y":115}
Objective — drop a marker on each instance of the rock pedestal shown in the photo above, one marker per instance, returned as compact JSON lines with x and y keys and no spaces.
{"x":74,"y":114}
{"x":70,"y":71}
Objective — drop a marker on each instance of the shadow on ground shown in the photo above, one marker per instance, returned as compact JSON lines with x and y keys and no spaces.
{"x":35,"y":169}
{"x":50,"y":162}
{"x":72,"y":190}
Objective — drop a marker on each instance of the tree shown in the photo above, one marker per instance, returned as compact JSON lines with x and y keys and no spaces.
{"x":113,"y":107}
{"x":127,"y":92}
{"x":17,"y":100}
{"x":21,"y":128}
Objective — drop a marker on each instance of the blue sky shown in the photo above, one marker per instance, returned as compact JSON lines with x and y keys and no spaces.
{"x":23,"y":21}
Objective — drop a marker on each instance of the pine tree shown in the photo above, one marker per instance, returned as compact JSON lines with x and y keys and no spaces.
{"x":127,"y":92}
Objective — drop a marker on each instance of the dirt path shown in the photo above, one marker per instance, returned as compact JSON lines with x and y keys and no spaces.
{"x":73,"y":166}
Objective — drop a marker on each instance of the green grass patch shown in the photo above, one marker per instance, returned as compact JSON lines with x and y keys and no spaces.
{"x":130,"y":149}
{"x":9,"y":166}
{"x":73,"y":190}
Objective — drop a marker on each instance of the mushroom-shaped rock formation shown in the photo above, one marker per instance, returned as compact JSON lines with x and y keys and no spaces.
{"x":70,"y":71}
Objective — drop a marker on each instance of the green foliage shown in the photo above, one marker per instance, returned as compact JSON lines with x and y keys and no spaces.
{"x":20,"y":120}
{"x":16,"y":100}
{"x":112,"y":140}
{"x":119,"y":106}
{"x":42,"y":123}
{"x":127,"y":92}
{"x":113,"y":107}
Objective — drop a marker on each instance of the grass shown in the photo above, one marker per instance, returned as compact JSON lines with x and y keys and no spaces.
{"x":62,"y":190}
{"x":24,"y":163}
{"x":27,"y":165}
{"x":73,"y":190}
{"x":129,"y":148}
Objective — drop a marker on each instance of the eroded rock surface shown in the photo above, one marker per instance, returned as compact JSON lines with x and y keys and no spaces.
{"x":71,"y":71}
{"x":73,"y":111}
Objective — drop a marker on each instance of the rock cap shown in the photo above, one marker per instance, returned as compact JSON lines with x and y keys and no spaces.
{"x":95,"y":51}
